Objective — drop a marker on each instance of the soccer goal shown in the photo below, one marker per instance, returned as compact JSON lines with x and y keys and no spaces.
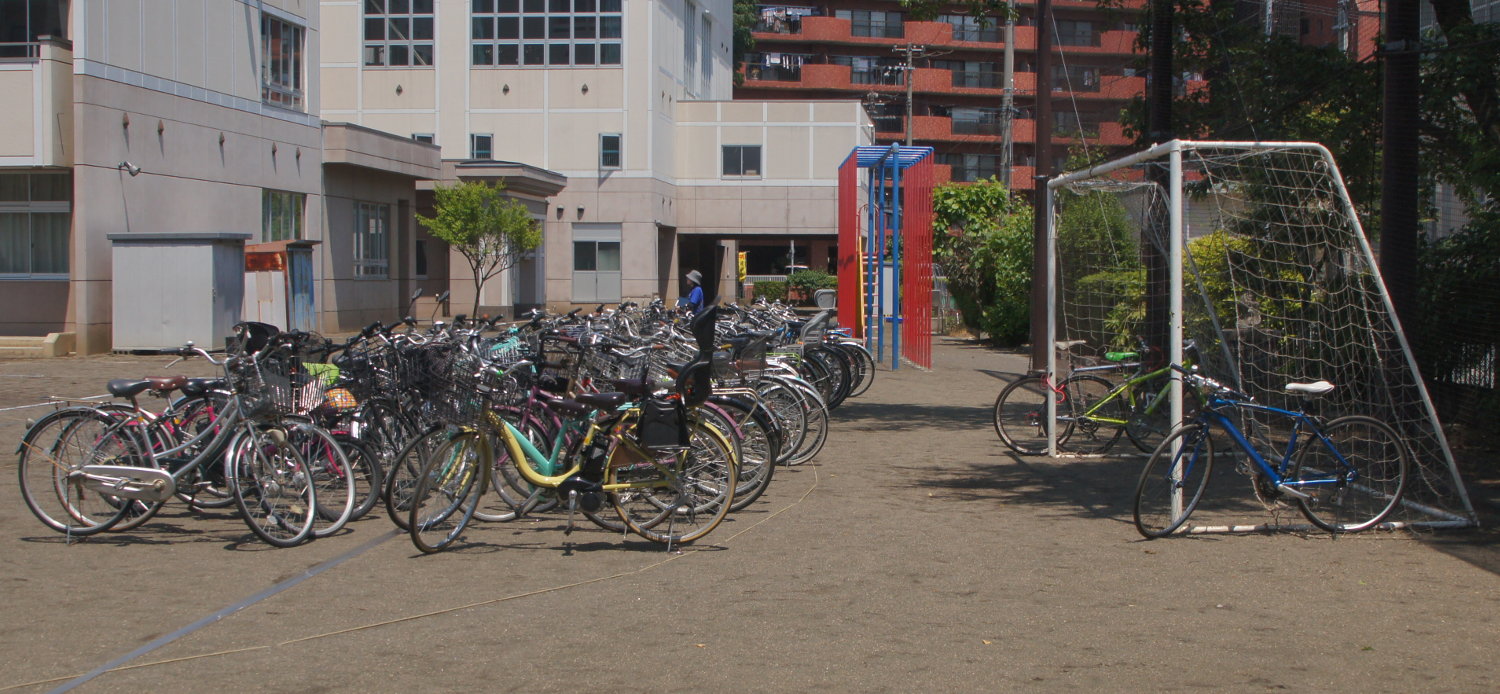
{"x":1254,"y":254}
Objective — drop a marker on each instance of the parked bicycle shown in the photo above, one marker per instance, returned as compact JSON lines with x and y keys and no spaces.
{"x":1345,"y":475}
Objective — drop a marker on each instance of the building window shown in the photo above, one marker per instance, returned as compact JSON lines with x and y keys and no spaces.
{"x":24,"y":23}
{"x":281,"y":214}
{"x":873,"y":23}
{"x":481,"y":146}
{"x":968,"y":28}
{"x":422,"y":137}
{"x":398,"y":33}
{"x":970,"y":167}
{"x":372,"y":249}
{"x":545,"y":32}
{"x":281,"y":62}
{"x":741,"y":160}
{"x":609,"y":150}
{"x":35,"y":216}
{"x":1076,"y":33}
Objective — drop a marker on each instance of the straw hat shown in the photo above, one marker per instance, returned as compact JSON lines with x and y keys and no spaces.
{"x":695,"y":277}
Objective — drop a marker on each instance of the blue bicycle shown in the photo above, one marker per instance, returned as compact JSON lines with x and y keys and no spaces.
{"x":1346,"y":475}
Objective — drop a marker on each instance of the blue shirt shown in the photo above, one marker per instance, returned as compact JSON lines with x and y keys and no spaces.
{"x":695,"y":299}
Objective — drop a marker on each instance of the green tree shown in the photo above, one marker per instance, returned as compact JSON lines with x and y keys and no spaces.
{"x":491,"y":231}
{"x":982,"y":241}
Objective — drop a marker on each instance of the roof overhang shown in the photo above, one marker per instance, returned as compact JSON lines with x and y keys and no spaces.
{"x":519,"y":179}
{"x":346,"y":144}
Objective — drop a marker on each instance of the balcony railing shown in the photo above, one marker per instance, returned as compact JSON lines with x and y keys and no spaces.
{"x":773,"y":73}
{"x":965,"y":126}
{"x":879,"y":75}
{"x":20,"y":49}
{"x":978,"y":80}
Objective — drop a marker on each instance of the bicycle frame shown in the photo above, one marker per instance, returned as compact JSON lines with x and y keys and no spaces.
{"x":1304,"y":428}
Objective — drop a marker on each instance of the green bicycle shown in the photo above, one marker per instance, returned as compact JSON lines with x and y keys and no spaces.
{"x":1092,"y":412}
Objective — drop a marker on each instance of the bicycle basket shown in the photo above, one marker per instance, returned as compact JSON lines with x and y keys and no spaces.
{"x":450,"y":385}
{"x":282,"y":386}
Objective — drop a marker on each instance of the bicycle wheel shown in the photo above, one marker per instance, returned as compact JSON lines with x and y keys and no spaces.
{"x":1093,"y":419}
{"x":209,"y":489}
{"x":329,"y":469}
{"x":678,"y":497}
{"x":815,"y":426}
{"x":1021,"y":415}
{"x":1149,"y":421}
{"x":364,"y":465}
{"x":272,"y":487}
{"x":864,"y":364}
{"x":785,"y":407}
{"x":1355,"y":474}
{"x":402,"y":474}
{"x":448,"y":491}
{"x":758,"y":449}
{"x":53,"y":451}
{"x":1173,"y":481}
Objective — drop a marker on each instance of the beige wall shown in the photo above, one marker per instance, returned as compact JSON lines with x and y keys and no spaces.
{"x":38,"y":112}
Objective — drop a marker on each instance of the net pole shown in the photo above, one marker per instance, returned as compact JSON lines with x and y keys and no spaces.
{"x":1050,"y":331}
{"x":1174,"y":275}
{"x":1390,"y":307}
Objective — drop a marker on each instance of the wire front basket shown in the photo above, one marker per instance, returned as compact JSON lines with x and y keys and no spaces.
{"x":283,"y":386}
{"x":450,"y":384}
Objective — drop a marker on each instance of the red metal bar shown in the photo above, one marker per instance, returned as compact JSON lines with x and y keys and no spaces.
{"x":916,"y":299}
{"x":851,"y":290}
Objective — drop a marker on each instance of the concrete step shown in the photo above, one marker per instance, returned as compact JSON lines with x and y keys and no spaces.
{"x":8,"y":351}
{"x":27,"y":347}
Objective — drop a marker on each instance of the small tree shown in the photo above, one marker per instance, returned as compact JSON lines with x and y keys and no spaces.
{"x":491,"y":231}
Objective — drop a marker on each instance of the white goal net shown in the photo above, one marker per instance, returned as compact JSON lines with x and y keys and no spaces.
{"x":1252,"y":253}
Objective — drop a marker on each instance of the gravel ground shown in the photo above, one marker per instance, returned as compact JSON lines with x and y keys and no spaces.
{"x":915,"y":551}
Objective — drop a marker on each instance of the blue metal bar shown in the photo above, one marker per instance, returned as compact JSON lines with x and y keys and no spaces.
{"x":897,"y":252}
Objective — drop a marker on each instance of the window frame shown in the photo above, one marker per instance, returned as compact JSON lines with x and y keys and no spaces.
{"x":269,"y":214}
{"x":32,"y":207}
{"x":619,"y":152}
{"x":411,"y":44}
{"x":522,"y":33}
{"x":474,"y":146}
{"x":368,"y":265}
{"x":724,"y":161}
{"x":283,"y":76}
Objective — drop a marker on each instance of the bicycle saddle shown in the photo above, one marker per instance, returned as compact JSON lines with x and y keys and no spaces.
{"x":1314,"y":388}
{"x":128,"y":388}
{"x":602,"y":401}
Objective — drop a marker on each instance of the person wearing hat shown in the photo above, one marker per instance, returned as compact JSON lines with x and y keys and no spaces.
{"x":694,"y":299}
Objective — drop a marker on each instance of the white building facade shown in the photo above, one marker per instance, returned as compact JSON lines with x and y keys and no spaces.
{"x":628,"y":101}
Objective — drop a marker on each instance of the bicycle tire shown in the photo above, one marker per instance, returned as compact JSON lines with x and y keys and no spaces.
{"x":331,"y":473}
{"x":1149,"y":422}
{"x":680,"y":510}
{"x":447,"y":492}
{"x":402,"y":474}
{"x":1378,"y":460}
{"x":198,"y":414}
{"x":52,"y":449}
{"x":1088,"y":405}
{"x":364,"y":463}
{"x":865,"y":363}
{"x":785,"y":406}
{"x":815,"y":428}
{"x":272,"y":487}
{"x":759,"y":446}
{"x":1020,"y":415}
{"x":1173,"y":480}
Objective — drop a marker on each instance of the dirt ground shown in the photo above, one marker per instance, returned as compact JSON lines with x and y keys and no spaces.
{"x":915,"y":551}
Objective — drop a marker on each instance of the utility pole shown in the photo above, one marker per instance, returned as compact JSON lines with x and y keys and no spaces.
{"x":1159,"y":129}
{"x":913,"y":51}
{"x":1008,"y":102}
{"x":1398,"y":166}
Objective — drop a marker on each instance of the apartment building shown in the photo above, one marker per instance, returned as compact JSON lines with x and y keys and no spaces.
{"x":613,"y":118}
{"x":957,"y":82}
{"x":137,"y":132}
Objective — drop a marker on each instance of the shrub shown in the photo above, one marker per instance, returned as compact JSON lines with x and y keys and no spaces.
{"x":805,"y":282}
{"x":773,"y":290}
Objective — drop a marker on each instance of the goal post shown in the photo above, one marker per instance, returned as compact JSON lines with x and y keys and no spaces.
{"x":1268,"y":273}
